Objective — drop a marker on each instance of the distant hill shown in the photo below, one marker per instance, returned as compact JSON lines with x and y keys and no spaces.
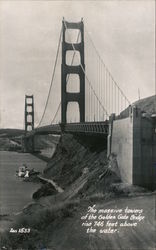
{"x":8,"y":132}
{"x":147,"y":105}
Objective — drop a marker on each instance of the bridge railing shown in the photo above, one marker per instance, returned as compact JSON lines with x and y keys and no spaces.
{"x":87,"y":128}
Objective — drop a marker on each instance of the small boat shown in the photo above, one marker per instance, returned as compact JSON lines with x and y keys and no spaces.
{"x":21,"y":171}
{"x":24,"y":172}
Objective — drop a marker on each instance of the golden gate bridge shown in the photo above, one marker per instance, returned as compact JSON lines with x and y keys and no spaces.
{"x":82,"y":93}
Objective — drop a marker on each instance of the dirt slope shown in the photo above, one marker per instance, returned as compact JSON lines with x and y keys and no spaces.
{"x":75,"y":162}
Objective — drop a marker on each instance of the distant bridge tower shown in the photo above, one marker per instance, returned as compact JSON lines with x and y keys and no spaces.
{"x":78,"y":69}
{"x":29,"y":113}
{"x":28,"y":142}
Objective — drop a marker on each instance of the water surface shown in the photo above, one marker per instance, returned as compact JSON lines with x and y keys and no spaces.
{"x":14,"y":192}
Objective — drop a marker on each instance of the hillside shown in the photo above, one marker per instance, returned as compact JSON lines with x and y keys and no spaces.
{"x":147,"y":104}
{"x":45,"y":145}
{"x":10,"y":139}
{"x":8,"y":132}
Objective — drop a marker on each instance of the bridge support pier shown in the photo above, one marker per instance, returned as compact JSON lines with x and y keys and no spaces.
{"x":133,"y":142}
{"x":28,"y":144}
{"x":109,"y":138}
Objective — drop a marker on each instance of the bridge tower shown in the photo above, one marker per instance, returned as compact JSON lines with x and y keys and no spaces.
{"x":29,"y":113}
{"x":78,"y":69}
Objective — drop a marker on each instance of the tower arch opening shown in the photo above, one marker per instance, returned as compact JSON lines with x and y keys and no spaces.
{"x":73,"y":36}
{"x":73,"y":57}
{"x":73,"y":83}
{"x":73,"y":112}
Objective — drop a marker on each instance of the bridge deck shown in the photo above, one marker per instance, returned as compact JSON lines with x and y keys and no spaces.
{"x":87,"y":128}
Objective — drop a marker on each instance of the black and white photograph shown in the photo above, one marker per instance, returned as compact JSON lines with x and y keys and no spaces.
{"x":77,"y":125}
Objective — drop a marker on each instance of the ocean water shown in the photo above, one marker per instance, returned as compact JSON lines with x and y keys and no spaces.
{"x":14,"y":192}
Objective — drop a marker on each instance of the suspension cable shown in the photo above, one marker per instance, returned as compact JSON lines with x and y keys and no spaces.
{"x":56,"y":113}
{"x":58,"y":47}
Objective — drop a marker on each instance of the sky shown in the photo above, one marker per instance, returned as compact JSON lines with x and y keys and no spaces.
{"x":122,"y":31}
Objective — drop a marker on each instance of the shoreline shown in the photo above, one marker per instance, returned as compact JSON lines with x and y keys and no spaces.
{"x":14,"y":161}
{"x":10,"y":217}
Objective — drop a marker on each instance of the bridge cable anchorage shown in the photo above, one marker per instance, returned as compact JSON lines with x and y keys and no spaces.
{"x":57,"y":53}
{"x":72,"y":61}
{"x":107,"y":68}
{"x":88,"y":79}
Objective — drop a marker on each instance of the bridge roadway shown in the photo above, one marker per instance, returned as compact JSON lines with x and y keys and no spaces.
{"x":87,"y":128}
